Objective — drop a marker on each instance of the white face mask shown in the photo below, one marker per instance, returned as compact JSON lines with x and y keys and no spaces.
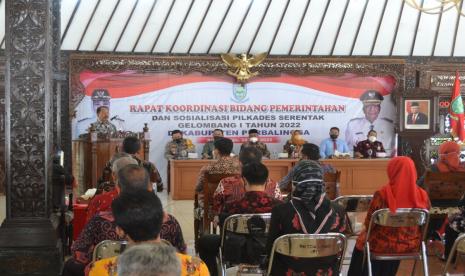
{"x":372,"y":139}
{"x":253,"y":139}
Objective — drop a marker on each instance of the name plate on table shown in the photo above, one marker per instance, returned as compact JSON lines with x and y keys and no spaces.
{"x":283,"y":155}
{"x":192,"y":155}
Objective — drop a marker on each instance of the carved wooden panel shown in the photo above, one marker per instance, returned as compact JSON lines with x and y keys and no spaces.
{"x":28,"y":104}
{"x":214,"y":65}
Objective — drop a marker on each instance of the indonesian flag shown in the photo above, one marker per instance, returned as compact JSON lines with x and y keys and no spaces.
{"x":456,"y":111}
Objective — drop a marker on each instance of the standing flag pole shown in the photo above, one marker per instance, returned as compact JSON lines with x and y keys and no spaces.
{"x":456,"y":111}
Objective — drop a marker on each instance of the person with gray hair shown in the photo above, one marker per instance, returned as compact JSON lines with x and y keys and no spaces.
{"x":101,"y":202}
{"x":139,"y":219}
{"x":149,"y":260}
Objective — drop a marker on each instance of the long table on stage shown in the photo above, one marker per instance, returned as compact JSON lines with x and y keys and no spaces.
{"x":358,"y":176}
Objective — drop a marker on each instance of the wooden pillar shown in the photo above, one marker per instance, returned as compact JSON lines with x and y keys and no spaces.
{"x":28,"y":243}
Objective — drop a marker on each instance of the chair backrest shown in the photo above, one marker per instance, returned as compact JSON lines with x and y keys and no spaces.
{"x":404,"y":217}
{"x":309,"y":246}
{"x":331,"y":181}
{"x":444,"y":187}
{"x":210,"y":185}
{"x":108,"y":249}
{"x":459,"y":245}
{"x":238,"y":224}
{"x":354,"y":204}
{"x":241,"y":245}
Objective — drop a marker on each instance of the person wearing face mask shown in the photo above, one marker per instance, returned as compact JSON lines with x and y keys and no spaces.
{"x":294,"y":145}
{"x":209,"y":147}
{"x":179,"y":147}
{"x":369,"y":147}
{"x":330,"y":145}
{"x":253,"y":142}
{"x":357,"y":127}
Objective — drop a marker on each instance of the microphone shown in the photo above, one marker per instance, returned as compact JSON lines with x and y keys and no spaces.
{"x":117,"y":118}
{"x":292,"y":147}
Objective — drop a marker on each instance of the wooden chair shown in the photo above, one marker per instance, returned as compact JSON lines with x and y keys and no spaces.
{"x":209,"y":188}
{"x":445,"y":188}
{"x":331,"y":181}
{"x":444,"y":191}
{"x":203,"y":219}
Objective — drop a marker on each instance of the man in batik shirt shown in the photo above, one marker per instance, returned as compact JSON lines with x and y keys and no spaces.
{"x":254,"y":201}
{"x":142,"y":230}
{"x":103,"y":125}
{"x":254,"y":142}
{"x":132,"y":179}
{"x":232,"y":188}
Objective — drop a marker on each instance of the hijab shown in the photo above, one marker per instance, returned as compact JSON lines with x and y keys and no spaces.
{"x":402,"y":190}
{"x":296,"y":138}
{"x":309,"y":198}
{"x":449,"y":157}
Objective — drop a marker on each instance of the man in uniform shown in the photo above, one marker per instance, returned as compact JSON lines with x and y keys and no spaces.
{"x":178,"y":147}
{"x":253,"y":142}
{"x":207,"y":152}
{"x":87,"y":114}
{"x":369,"y":147}
{"x":415,"y":117}
{"x":356,"y":128}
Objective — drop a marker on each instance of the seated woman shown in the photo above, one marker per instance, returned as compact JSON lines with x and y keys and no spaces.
{"x":448,"y":161}
{"x":400,"y":192}
{"x":294,"y":145}
{"x":309,"y":212}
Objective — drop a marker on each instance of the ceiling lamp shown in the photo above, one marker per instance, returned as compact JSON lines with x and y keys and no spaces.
{"x":436,"y":6}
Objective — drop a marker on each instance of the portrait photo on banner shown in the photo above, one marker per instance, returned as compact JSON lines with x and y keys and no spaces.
{"x":417,"y":114}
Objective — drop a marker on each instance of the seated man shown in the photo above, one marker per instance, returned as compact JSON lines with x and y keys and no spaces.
{"x":209,"y":147}
{"x":102,"y":202}
{"x":131,"y":179}
{"x":158,"y":258}
{"x":232,"y":188}
{"x":330,"y":145}
{"x":224,"y":165}
{"x":254,"y":142}
{"x":139,"y":217}
{"x":255,"y":200}
{"x":370,"y":147}
{"x":309,"y":152}
{"x":178,"y":147}
{"x":131,"y":145}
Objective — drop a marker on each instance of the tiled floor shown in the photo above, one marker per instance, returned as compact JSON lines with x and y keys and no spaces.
{"x":183,"y":211}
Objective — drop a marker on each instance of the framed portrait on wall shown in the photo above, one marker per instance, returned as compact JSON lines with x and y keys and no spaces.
{"x":417,"y":114}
